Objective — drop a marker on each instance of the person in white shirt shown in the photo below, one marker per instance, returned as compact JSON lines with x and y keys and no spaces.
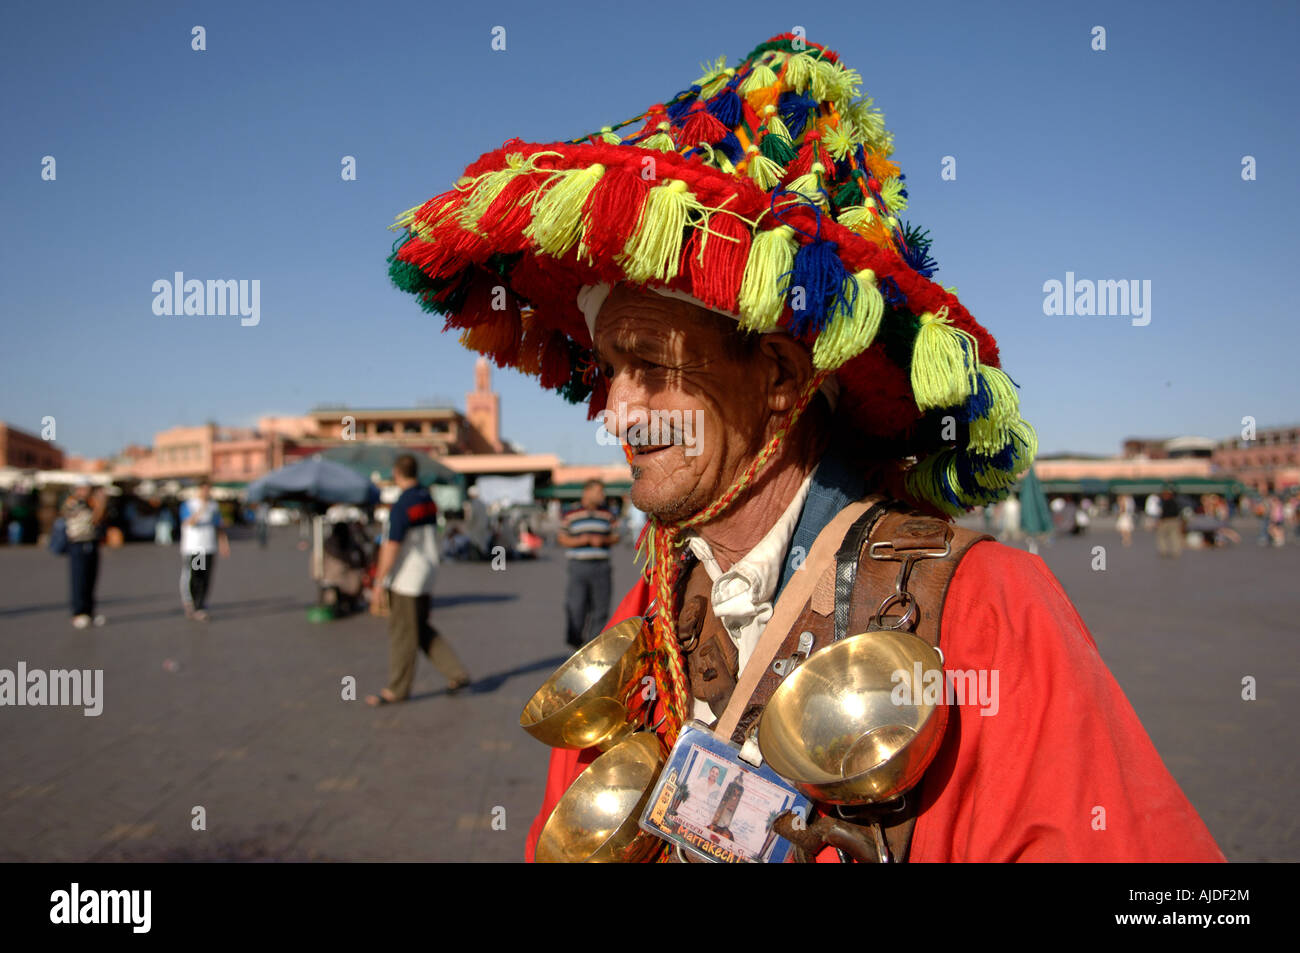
{"x":202,"y":537}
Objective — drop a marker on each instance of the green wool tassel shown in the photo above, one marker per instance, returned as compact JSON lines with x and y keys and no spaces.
{"x":777,"y":148}
{"x":762,"y":297}
{"x":942,"y":363}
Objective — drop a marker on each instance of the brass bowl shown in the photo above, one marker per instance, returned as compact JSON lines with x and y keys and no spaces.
{"x":580,"y":706}
{"x":832,"y":728}
{"x":597,"y":819}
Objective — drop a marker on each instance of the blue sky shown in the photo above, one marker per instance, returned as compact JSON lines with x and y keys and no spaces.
{"x":1123,"y":164}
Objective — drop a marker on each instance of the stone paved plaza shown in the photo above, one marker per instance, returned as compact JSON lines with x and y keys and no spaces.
{"x":244,"y":716}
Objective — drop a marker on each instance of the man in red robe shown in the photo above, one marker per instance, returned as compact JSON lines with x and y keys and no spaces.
{"x":732,"y":284}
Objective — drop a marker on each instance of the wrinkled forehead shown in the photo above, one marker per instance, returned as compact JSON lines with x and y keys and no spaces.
{"x":591,"y":298}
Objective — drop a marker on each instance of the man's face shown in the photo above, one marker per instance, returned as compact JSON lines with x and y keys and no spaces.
{"x":664,"y":355}
{"x":713,"y":775}
{"x":593,"y":497}
{"x":204,"y":493}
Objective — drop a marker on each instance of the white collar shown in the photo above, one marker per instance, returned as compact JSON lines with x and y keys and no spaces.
{"x":749,"y":585}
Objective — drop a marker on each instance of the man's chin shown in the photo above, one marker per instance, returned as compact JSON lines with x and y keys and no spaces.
{"x":654,"y":494}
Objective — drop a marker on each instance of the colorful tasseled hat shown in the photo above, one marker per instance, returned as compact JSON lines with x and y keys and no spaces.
{"x":765,"y":191}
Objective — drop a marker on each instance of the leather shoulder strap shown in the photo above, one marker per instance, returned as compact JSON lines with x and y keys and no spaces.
{"x":906,"y":568}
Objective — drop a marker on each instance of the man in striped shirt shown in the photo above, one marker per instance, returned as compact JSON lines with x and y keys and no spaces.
{"x":587,"y":533}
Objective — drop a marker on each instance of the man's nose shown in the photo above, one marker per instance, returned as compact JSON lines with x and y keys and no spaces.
{"x":623,"y":398}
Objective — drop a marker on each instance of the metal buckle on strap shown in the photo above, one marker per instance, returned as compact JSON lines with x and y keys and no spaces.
{"x":885,"y":550}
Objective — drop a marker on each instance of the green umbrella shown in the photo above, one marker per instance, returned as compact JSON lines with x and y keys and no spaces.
{"x":369,"y":458}
{"x":1035,"y":515}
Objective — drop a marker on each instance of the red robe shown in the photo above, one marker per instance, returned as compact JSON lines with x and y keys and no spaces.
{"x":1063,"y":771}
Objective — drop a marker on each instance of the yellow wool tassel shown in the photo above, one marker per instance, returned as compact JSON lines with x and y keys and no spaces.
{"x":655,"y":251}
{"x":822,"y":80}
{"x":765,"y":172}
{"x":1004,"y":402}
{"x":610,"y":136}
{"x":557,"y":214}
{"x":891,"y":191}
{"x":484,"y":195}
{"x":810,"y":185}
{"x":661,"y":140}
{"x":870,"y":123}
{"x":711,"y":71}
{"x":760,"y":77}
{"x":853,"y":216}
{"x":848,"y":335}
{"x":714,"y":86}
{"x":839,"y":139}
{"x":798,"y":71}
{"x":762,"y":296}
{"x":717,"y":158}
{"x":923,"y":481}
{"x":987,"y":436}
{"x":405,"y":219}
{"x":775,"y":127}
{"x":943,"y":362}
{"x":845,"y":84}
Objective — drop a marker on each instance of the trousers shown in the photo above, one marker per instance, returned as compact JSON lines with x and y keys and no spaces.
{"x":83,"y":570}
{"x":409,"y":630}
{"x":586,"y":599}
{"x":196,"y":578}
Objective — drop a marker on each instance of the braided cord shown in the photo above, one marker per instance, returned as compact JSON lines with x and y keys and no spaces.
{"x":663,"y":660}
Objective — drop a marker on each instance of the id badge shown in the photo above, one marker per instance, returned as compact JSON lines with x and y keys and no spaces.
{"x":717,"y":807}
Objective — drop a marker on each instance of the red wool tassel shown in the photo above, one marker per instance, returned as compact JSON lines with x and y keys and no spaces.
{"x":612,"y":212}
{"x":507,"y":216}
{"x":555,"y":361}
{"x":716,"y":281}
{"x":702,"y":126}
{"x":802,"y":164}
{"x":492,"y":330}
{"x":599,"y":396}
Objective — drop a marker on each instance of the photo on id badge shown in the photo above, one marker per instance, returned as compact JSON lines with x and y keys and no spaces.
{"x":718,"y":807}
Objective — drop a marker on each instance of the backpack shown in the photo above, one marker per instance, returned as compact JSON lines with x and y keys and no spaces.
{"x":59,"y":537}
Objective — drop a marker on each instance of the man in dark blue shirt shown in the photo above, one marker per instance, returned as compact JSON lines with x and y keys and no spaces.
{"x":407,"y":568}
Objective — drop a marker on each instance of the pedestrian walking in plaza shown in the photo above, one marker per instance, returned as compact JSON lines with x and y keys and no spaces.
{"x":202,"y":538}
{"x":1125,"y":521}
{"x":1170,"y":530}
{"x":587,"y":533}
{"x":83,"y":515}
{"x":408,"y":564}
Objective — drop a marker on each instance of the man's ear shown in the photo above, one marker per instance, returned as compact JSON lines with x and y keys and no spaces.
{"x":786,"y":368}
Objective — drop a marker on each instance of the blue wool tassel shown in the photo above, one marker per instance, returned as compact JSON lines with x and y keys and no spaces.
{"x":945,"y":487}
{"x":725,"y":108}
{"x":678,"y":110}
{"x":890,"y":291}
{"x":978,"y":404}
{"x":820,"y":272}
{"x":1003,"y":460}
{"x":730,"y":146}
{"x":793,"y":109}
